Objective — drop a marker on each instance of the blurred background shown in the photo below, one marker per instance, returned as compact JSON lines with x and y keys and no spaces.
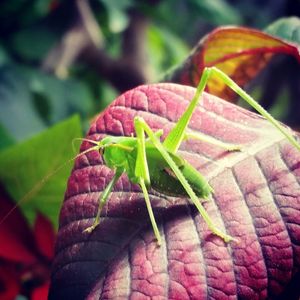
{"x":63,"y":62}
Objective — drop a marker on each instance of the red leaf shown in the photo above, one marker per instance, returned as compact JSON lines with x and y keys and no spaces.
{"x":239,"y":52}
{"x":256,"y":200}
{"x":9,"y":283}
{"x":44,"y":236}
{"x":41,"y":292}
{"x":16,"y":237}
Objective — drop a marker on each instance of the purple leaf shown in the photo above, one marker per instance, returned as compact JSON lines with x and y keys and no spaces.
{"x":256,"y":200}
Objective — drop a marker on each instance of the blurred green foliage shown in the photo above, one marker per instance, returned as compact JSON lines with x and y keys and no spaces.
{"x":286,"y":28}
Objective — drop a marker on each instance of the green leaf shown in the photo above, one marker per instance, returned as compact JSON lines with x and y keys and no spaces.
{"x":117,"y":15}
{"x":218,"y":12}
{"x":4,"y":57}
{"x":14,"y":13}
{"x":5,"y":139}
{"x":161,"y":41}
{"x":41,"y":37}
{"x":42,"y":7}
{"x":17,"y":114}
{"x":31,"y":173}
{"x":31,"y":100}
{"x":286,"y":28}
{"x":61,"y":97}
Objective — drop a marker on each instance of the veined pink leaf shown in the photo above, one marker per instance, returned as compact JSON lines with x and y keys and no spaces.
{"x":256,"y":200}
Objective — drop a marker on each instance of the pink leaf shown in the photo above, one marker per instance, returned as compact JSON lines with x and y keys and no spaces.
{"x":256,"y":200}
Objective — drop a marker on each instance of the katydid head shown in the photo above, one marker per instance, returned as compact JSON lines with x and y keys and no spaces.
{"x":115,"y":150}
{"x":110,"y":143}
{"x":106,"y":142}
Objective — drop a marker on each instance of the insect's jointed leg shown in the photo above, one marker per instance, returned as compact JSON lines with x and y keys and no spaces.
{"x":142,"y":173}
{"x":103,"y":198}
{"x":229,"y":82}
{"x":150,"y":211}
{"x":206,"y":138}
{"x":139,"y":122}
{"x":141,"y":166}
{"x":177,"y":134}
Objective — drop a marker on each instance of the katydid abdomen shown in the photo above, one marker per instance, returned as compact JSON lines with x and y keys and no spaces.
{"x":162,"y":178}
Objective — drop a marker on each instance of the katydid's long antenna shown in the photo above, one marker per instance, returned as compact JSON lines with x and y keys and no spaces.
{"x":40,"y":184}
{"x":83,"y":140}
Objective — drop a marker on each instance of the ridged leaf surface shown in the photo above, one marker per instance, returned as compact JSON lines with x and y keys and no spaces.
{"x":256,"y":200}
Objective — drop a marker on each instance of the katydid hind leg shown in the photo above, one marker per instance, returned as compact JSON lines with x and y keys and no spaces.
{"x":245,"y":96}
{"x":150,"y":211}
{"x":208,"y":139}
{"x":177,"y":134}
{"x":103,"y":199}
{"x":160,"y":147}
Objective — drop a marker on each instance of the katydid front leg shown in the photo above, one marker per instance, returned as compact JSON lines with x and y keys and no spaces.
{"x":140,"y":123}
{"x":103,"y":199}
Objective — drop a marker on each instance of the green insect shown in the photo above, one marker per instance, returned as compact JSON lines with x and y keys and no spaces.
{"x":151,"y":163}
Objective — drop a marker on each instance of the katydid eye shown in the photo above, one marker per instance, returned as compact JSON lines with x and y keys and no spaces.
{"x":101,"y":151}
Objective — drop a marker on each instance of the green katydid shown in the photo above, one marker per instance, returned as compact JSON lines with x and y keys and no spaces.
{"x":151,"y":163}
